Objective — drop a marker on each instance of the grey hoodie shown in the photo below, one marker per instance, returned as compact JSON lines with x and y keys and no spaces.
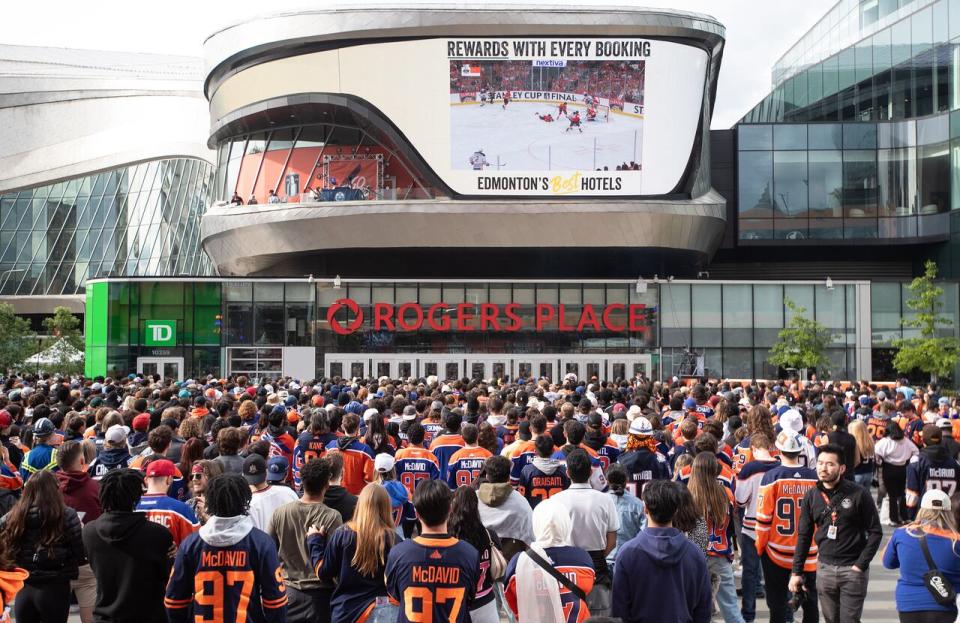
{"x":505,"y":511}
{"x":226,"y":531}
{"x":547,"y":466}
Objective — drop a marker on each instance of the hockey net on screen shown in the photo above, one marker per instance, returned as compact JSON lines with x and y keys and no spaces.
{"x":603,"y":113}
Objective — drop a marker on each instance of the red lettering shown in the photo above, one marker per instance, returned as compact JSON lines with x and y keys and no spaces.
{"x":606,"y":317}
{"x":383,"y":315}
{"x":636,"y":317}
{"x":588,"y":317}
{"x":352,"y":306}
{"x":510,"y":311}
{"x":561,"y":325}
{"x":465,"y":314}
{"x":488,"y":316}
{"x":545,"y":313}
{"x":402,"y":317}
{"x":444,"y":323}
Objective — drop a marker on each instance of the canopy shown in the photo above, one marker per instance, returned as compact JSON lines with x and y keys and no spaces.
{"x":58,"y":352}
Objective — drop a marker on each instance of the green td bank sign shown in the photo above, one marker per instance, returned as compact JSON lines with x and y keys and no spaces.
{"x":160,"y":333}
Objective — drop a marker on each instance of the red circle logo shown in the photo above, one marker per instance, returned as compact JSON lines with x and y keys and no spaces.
{"x":352,"y":325}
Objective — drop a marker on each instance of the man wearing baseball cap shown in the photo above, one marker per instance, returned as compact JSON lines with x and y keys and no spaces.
{"x":160,"y":508}
{"x":266,"y":497}
{"x":43,"y":455}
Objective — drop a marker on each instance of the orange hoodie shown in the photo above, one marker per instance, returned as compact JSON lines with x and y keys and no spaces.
{"x":10,"y":584}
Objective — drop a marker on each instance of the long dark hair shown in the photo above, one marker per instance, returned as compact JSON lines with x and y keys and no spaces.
{"x":376,"y":436}
{"x":43,"y":493}
{"x":464,"y":522}
{"x":192,"y":452}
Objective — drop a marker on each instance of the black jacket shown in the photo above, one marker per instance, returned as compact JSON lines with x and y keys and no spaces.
{"x":128,"y":555}
{"x":858,"y":526}
{"x":49,"y":564}
{"x":341,"y":500}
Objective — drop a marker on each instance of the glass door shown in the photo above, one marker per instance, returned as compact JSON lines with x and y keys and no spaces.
{"x":346,"y":366}
{"x":165,"y":367}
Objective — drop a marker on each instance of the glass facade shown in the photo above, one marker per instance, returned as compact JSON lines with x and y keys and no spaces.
{"x":250,"y":326}
{"x":322,"y":162}
{"x":847,"y":181}
{"x":142,"y":219}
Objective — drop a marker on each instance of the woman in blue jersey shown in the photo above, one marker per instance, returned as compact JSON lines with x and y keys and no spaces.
{"x":935,"y":523}
{"x":356,"y":556}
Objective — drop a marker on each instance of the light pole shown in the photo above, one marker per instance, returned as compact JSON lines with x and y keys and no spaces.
{"x":4,"y":274}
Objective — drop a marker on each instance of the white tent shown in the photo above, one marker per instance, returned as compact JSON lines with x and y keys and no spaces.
{"x":59,"y":351}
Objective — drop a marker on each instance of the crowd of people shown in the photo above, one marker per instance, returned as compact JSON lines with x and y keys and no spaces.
{"x":416,"y":500}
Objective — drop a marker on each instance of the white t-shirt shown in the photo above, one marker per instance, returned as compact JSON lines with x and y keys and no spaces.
{"x":268,"y":500}
{"x":592,"y":513}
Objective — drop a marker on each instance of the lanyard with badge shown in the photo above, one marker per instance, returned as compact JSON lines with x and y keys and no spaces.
{"x":832,"y":509}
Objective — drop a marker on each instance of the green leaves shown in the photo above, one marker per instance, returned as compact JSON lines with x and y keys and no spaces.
{"x":932,"y":354}
{"x":16,"y":339}
{"x":802,"y":343}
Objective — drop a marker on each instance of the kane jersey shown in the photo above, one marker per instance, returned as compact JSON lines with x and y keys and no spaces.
{"x":241,"y":582}
{"x":643,"y":466}
{"x":434,"y":578}
{"x":414,"y":464}
{"x":541,"y":480}
{"x":572,"y":562}
{"x":465,"y":466}
{"x":309,"y":447}
{"x":778,"y":514}
{"x":173,"y":515}
{"x":443,"y":447}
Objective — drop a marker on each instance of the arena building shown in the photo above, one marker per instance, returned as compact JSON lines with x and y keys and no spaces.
{"x":532,"y":190}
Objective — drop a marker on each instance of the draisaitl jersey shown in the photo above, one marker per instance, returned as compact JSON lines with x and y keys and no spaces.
{"x":537,"y":485}
{"x":434,"y":578}
{"x":309,"y":447}
{"x":238,"y":583}
{"x":414,"y":464}
{"x":465,"y":466}
{"x":778,"y":514}
{"x":572,"y":562}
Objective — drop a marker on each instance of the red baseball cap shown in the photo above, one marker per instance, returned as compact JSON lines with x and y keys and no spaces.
{"x":162,"y":468}
{"x":141,"y":422}
{"x":5,"y":419}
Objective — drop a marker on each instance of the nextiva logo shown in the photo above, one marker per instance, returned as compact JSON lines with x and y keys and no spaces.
{"x":160,"y":333}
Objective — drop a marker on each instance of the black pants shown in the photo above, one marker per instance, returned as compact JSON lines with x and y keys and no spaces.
{"x":309,"y":606}
{"x":928,"y":616}
{"x":44,"y":602}
{"x":895,"y":479}
{"x":777,"y":580}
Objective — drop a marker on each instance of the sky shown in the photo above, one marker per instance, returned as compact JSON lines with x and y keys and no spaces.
{"x":758,"y":31}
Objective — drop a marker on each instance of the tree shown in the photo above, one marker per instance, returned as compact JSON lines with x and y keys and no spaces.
{"x":64,"y":328}
{"x":932,"y":354}
{"x":803,"y":343}
{"x":16,"y":339}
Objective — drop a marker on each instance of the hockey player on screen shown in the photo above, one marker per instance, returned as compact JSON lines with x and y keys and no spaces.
{"x":591,"y":114}
{"x":482,"y":96}
{"x":547,"y":117}
{"x":479,"y":160}
{"x":506,"y":99}
{"x":574,"y":121}
{"x":562,"y":109}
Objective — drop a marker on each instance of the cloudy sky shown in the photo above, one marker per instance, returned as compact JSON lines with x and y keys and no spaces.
{"x":758,"y":31}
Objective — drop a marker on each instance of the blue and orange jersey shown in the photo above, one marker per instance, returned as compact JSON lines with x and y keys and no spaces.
{"x":703,"y":412}
{"x":309,"y":447}
{"x":572,"y":562}
{"x":431,"y":429}
{"x":743,"y":455}
{"x":507,"y":433}
{"x":357,"y":462}
{"x":355,"y":594}
{"x":521,"y":456}
{"x":537,"y":485}
{"x":877,"y":426}
{"x":778,"y":514}
{"x":465,"y":466}
{"x":748,"y":491}
{"x":414,"y":464}
{"x":443,"y":447}
{"x":726,"y":477}
{"x":10,"y":477}
{"x":643,"y":466}
{"x":172,"y":514}
{"x":608,"y":453}
{"x":435,"y":577}
{"x":933,"y":468}
{"x":721,"y":543}
{"x":281,"y":444}
{"x":241,"y":582}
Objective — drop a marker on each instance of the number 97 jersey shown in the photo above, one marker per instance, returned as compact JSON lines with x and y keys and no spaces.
{"x":933,"y":468}
{"x":434,"y":578}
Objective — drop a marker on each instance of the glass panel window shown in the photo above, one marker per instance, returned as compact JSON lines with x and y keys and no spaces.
{"x":921,"y":26}
{"x":789,"y":136}
{"x":825,"y":135}
{"x":859,"y":183}
{"x":826,"y":183}
{"x":737,"y":315}
{"x":898,"y":181}
{"x":790,"y":182}
{"x":934,"y":177}
{"x":751,"y":137}
{"x":901,"y":50}
{"x":756,"y":184}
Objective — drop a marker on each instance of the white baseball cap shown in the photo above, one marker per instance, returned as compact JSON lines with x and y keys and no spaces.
{"x":370,"y":414}
{"x":117,"y":433}
{"x":641,"y":426}
{"x":935,"y":500}
{"x":383,"y":463}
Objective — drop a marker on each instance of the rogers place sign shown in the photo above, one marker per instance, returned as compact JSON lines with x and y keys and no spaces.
{"x":442,"y":317}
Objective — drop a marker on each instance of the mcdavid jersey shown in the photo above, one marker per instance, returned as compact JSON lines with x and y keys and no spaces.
{"x":536,"y":485}
{"x":173,"y":515}
{"x":434,"y":579}
{"x":242,"y":582}
{"x":932,"y":470}
{"x":572,"y":562}
{"x":465,"y":466}
{"x":414,"y":464}
{"x":643,"y":466}
{"x":443,"y":447}
{"x":309,"y":447}
{"x":778,"y":514}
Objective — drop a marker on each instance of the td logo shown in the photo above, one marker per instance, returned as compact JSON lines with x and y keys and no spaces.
{"x":160,"y":333}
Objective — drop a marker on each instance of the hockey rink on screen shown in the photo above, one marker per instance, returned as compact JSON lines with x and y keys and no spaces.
{"x":515,"y":139}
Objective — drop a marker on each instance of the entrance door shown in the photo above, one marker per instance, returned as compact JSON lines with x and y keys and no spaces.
{"x":629,"y":366}
{"x":347,"y":366}
{"x":394,"y":366}
{"x":166,"y":367}
{"x":444,"y":368}
{"x":584,"y":366}
{"x":487,"y":367}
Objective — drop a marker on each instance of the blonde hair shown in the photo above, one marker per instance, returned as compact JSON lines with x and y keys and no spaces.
{"x":620,"y":427}
{"x":865,"y":444}
{"x":373,"y":525}
{"x":940,"y":519}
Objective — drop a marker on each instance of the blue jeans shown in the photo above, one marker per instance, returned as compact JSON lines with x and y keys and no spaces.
{"x":750,"y":582}
{"x":727,"y":590}
{"x":386,"y":613}
{"x":864,"y":480}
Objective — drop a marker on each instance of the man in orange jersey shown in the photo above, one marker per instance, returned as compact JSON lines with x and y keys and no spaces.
{"x":466,"y":464}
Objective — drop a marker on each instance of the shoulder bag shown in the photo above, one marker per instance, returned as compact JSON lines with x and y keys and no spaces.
{"x":936,"y":582}
{"x":498,"y":563}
